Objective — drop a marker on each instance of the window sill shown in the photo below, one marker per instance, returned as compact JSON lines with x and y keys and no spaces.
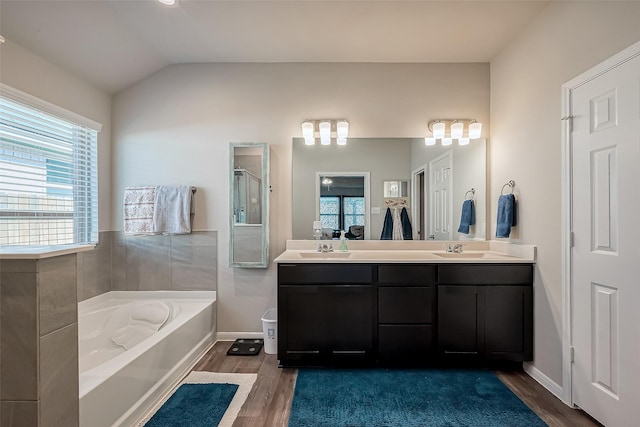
{"x":39,"y":252}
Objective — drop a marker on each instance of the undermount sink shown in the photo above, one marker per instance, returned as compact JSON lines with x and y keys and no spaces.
{"x":474,"y":255}
{"x":325,"y":255}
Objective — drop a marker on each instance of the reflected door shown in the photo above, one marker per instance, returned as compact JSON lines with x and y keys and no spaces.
{"x":604,"y":259}
{"x":440,"y":202}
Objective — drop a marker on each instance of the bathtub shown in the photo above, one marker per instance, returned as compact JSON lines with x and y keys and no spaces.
{"x":118,"y":384}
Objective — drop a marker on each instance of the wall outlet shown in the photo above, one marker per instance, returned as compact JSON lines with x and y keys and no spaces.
{"x":375,"y":210}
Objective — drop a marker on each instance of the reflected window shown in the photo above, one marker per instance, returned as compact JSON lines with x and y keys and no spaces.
{"x":341,"y":212}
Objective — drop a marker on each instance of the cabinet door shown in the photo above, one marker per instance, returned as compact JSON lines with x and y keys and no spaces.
{"x":301,"y":322}
{"x":508,"y":325}
{"x":460,"y":321}
{"x":349,"y":320}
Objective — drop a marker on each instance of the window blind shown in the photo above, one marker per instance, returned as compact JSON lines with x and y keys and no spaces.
{"x":48,"y":178}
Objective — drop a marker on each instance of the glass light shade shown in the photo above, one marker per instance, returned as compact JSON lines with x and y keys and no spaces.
{"x":447,"y":141}
{"x":475,"y":130}
{"x":429,"y":141}
{"x":325,"y":133}
{"x":307,"y":130}
{"x":341,"y":141}
{"x":342,"y":129}
{"x":456,"y":129}
{"x":168,"y":2}
{"x":438,"y":130}
{"x":463,"y":141}
{"x":310,"y":141}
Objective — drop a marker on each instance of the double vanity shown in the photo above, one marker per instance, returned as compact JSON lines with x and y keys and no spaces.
{"x":405,"y":303}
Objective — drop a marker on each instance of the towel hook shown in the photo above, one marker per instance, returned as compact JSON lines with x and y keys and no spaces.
{"x":511,"y":183}
{"x":473,"y":193}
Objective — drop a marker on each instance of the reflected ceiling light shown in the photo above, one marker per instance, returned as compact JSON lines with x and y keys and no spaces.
{"x":438,"y":129}
{"x":325,"y":129}
{"x":168,"y":2}
{"x":429,"y":141}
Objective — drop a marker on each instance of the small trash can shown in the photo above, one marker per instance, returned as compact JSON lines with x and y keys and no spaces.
{"x":270,"y":329}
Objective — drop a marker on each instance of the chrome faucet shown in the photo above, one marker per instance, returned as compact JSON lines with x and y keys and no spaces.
{"x":323,"y":247}
{"x":457,"y":248}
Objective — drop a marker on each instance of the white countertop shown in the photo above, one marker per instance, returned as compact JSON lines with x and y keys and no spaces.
{"x":39,"y":252}
{"x":410,"y":251}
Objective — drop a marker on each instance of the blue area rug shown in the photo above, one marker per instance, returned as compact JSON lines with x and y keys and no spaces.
{"x":194,"y":405}
{"x":405,"y":398}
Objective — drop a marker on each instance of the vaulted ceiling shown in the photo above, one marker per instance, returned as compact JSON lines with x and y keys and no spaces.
{"x":115,"y":43}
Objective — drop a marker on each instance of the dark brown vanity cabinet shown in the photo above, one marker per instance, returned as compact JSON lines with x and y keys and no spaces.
{"x":406,"y":313}
{"x":485,"y":312}
{"x":325,"y":314}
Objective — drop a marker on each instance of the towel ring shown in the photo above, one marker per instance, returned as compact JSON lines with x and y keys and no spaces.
{"x":473,"y":193}
{"x":511,"y":183}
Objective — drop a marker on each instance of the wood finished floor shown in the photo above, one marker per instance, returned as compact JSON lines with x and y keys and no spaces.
{"x":269,"y":403}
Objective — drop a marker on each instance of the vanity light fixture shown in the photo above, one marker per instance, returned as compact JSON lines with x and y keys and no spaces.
{"x":325,"y":129}
{"x":168,"y":2}
{"x":438,"y":129}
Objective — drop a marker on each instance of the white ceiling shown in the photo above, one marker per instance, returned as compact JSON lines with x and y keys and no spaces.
{"x":113,"y":44}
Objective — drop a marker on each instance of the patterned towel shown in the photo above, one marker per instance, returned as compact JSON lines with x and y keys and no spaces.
{"x":138,"y":209}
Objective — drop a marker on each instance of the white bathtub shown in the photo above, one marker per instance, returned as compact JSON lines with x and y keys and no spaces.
{"x":118,"y":386}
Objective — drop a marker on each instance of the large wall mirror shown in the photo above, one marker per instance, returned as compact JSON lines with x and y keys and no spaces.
{"x":432,"y":182}
{"x":249,"y":205}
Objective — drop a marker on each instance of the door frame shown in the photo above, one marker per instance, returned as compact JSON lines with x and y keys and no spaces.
{"x":449,"y":154}
{"x":616,"y":60}
{"x":415,"y":196}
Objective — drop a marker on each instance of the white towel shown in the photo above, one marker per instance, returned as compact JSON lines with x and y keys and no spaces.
{"x":172,"y":210}
{"x":145,"y":319}
{"x":397,"y":225}
{"x":138,"y":210}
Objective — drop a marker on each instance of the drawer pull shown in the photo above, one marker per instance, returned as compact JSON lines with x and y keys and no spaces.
{"x":303,"y":351}
{"x":349,"y":352}
{"x":460,"y":352}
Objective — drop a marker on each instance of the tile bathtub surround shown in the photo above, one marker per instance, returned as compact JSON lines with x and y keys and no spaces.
{"x":58,"y":293}
{"x":94,"y":268}
{"x":177,"y":262}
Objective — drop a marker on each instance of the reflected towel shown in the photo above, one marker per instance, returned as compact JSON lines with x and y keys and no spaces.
{"x":138,"y":210}
{"x":172,"y":210}
{"x":506,"y":215}
{"x":397,"y":225}
{"x":468,"y":216}
{"x":407,"y":230}
{"x":387,"y":226}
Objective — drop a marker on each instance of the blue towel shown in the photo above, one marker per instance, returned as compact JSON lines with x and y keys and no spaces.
{"x":407,"y":231}
{"x":506,"y":215}
{"x":387,"y":227}
{"x":468,"y":216}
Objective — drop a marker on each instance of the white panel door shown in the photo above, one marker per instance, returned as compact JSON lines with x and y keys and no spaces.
{"x":605,"y":258}
{"x":441,"y":204}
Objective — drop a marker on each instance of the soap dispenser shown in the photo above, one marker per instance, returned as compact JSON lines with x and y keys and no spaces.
{"x":343,"y":242}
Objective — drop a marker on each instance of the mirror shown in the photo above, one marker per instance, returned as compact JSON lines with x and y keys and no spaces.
{"x":248,"y":205}
{"x":393,"y":165}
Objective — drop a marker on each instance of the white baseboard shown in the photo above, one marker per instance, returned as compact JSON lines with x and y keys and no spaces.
{"x":232,"y":336}
{"x":544,"y":380}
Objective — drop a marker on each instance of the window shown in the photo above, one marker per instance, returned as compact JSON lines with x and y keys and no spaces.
{"x":48,"y":174}
{"x":341,"y":212}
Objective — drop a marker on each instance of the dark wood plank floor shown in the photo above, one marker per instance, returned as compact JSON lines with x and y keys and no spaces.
{"x":269,"y":403}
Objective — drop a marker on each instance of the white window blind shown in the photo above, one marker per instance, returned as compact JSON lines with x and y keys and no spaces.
{"x":48,"y":178}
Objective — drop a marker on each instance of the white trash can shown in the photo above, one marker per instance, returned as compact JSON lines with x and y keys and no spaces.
{"x":270,"y":329}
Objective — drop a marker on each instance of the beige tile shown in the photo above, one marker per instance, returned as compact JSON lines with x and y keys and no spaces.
{"x":94,"y":269}
{"x":58,"y":293}
{"x":148,"y":267}
{"x":59,"y":377}
{"x":197,"y":238}
{"x":194,"y":268}
{"x":18,"y":413}
{"x":19,"y":336}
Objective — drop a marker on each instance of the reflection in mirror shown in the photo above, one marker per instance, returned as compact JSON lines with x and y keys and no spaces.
{"x":395,"y":160}
{"x":396,"y":189}
{"x":342,"y":204}
{"x":248,"y":204}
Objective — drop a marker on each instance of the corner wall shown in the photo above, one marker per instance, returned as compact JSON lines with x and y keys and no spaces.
{"x":566,"y":39}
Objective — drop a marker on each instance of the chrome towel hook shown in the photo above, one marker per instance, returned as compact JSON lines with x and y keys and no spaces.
{"x":473,"y":193}
{"x":511,"y":183}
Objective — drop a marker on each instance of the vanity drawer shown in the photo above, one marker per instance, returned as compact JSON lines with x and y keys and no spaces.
{"x":405,"y":344}
{"x":405,"y":304}
{"x":489,"y":274}
{"x":297,"y":274}
{"x":406,"y":274}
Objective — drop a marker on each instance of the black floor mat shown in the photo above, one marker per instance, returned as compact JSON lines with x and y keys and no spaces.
{"x":245,"y":347}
